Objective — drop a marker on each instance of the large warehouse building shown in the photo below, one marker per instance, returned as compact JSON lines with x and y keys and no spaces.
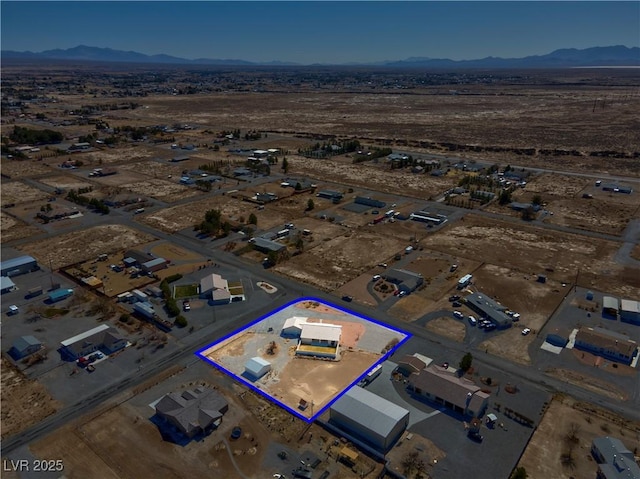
{"x":20,"y":265}
{"x":370,"y":418}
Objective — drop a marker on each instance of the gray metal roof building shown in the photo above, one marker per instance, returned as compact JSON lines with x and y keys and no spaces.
{"x":19,"y":265}
{"x":266,"y":245}
{"x":369,"y":417}
{"x":24,"y":346}
{"x":614,"y":460}
{"x":488,"y":308}
{"x":330,"y":194}
{"x":367,"y":201}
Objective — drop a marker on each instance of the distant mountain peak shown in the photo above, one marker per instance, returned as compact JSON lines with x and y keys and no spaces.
{"x":615,"y":55}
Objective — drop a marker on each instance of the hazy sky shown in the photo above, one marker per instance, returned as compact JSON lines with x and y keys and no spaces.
{"x":325,"y":32}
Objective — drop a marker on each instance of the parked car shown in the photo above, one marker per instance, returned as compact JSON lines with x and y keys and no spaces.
{"x":186,"y":305}
{"x":453,"y":298}
{"x":472,"y":321}
{"x":347,"y":298}
{"x":458,"y":315}
{"x":490,"y":327}
{"x":526,"y":331}
{"x":456,"y":304}
{"x":376,"y":277}
{"x":475,"y":436}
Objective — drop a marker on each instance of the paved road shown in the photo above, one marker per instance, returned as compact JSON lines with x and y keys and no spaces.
{"x":289,"y":290}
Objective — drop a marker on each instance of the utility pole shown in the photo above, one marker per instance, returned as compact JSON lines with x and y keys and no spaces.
{"x":51,"y":272}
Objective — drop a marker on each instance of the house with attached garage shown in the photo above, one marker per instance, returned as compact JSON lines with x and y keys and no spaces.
{"x":442,"y":386}
{"x":193,"y":412}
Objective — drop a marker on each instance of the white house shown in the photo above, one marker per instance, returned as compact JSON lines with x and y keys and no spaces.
{"x":293,"y":326}
{"x":320,"y":340}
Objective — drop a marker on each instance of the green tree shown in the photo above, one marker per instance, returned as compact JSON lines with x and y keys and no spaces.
{"x":273,"y":257}
{"x":285,"y":165}
{"x":519,"y":473}
{"x":505,"y":197}
{"x":465,"y":362}
{"x":536,"y":200}
{"x":310,"y":205}
{"x":253,"y":219}
{"x":528,"y":214}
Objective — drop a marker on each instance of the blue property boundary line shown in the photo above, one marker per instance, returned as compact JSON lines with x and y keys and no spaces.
{"x":293,"y":411}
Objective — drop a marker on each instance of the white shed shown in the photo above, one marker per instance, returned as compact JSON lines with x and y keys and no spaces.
{"x":257,"y":367}
{"x":293,"y":326}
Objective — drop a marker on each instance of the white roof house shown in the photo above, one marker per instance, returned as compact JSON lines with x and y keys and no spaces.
{"x":354,"y":411}
{"x":257,"y":367}
{"x":293,"y":325}
{"x":320,"y":332}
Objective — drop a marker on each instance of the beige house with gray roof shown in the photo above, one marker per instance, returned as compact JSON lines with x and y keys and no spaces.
{"x":444,"y":387}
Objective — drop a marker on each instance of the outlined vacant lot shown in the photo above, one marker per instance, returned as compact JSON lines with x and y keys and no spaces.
{"x":292,"y":380}
{"x":72,"y":248}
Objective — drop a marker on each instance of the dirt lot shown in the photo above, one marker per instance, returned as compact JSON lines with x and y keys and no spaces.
{"x":319,"y":381}
{"x":495,"y":115}
{"x":66,"y":182}
{"x":17,"y":192}
{"x":371,"y":176}
{"x":313,"y":380}
{"x":448,"y":327}
{"x":13,"y":229}
{"x":567,"y":428}
{"x":24,"y":168}
{"x":332,"y":263}
{"x":530,"y":250}
{"x":71,"y":248}
{"x":110,"y":157}
{"x":24,"y":402}
{"x":161,"y":190}
{"x":606,"y":212}
{"x":180,"y":217}
{"x":409,"y":443}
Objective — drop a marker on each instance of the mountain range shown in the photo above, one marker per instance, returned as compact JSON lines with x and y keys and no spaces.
{"x":613,"y":56}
